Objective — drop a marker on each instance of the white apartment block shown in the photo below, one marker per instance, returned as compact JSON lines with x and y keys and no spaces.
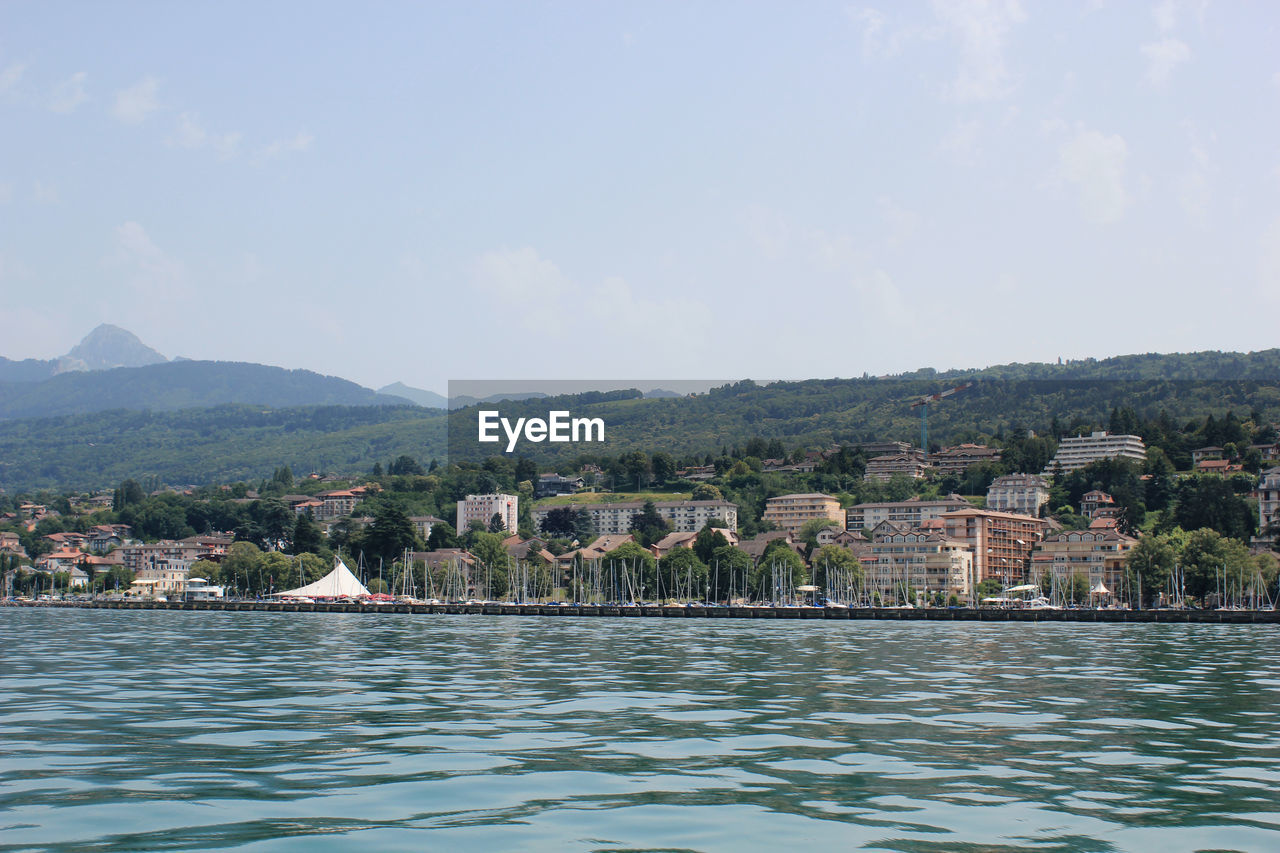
{"x":1023,"y":494}
{"x":610,"y":519}
{"x":1077,"y":452}
{"x":911,"y":512}
{"x":482,"y":508}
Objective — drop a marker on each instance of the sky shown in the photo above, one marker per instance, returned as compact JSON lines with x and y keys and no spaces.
{"x":422,"y":192}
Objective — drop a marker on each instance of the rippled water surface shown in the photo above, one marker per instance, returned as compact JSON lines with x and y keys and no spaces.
{"x":156,"y":730}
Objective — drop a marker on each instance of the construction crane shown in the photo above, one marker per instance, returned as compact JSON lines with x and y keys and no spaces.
{"x":923,"y":404}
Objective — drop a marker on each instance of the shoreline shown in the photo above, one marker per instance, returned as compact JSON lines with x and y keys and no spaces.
{"x":960,"y":614}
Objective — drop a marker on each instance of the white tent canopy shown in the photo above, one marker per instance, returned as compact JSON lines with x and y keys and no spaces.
{"x":338,"y":583}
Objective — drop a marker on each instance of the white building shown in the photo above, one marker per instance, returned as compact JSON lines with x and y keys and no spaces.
{"x":1023,"y":494}
{"x":483,"y":508}
{"x":910,"y":512}
{"x":615,"y":518}
{"x":1077,"y":452}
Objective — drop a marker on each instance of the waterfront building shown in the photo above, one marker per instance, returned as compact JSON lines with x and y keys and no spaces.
{"x":483,"y":508}
{"x":1098,"y":553}
{"x":1078,"y":451}
{"x":684,"y":516}
{"x":909,"y":512}
{"x":1002,"y":542}
{"x":790,"y":512}
{"x":1022,"y":494}
{"x":926,"y":561}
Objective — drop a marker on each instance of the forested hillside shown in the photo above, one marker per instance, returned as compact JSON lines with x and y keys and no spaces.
{"x":181,"y":385}
{"x":230,"y":442}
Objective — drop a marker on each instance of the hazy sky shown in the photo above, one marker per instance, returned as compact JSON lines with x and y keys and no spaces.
{"x":426,"y":191}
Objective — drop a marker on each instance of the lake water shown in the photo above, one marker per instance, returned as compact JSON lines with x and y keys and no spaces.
{"x":149,"y":730}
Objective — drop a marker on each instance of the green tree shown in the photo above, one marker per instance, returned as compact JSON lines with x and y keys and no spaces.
{"x":1209,"y":501}
{"x":706,"y":492}
{"x":307,"y":536}
{"x":649,"y":524}
{"x":1213,"y":562}
{"x":731,"y":570}
{"x":390,"y":534}
{"x":832,"y":563}
{"x":664,"y":467}
{"x":497,"y":524}
{"x":682,"y":574}
{"x":706,"y":543}
{"x":1149,"y":564}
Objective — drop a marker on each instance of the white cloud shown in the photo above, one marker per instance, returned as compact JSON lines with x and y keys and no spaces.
{"x":879,"y":41}
{"x":191,"y":134}
{"x":11,"y":75}
{"x":134,"y":104}
{"x":1095,"y":165}
{"x":1163,"y":57}
{"x":1166,"y":15}
{"x":69,"y":94}
{"x":154,"y":277}
{"x":301,"y":141}
{"x":982,"y":27}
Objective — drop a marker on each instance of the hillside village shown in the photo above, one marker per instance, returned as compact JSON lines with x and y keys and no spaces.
{"x":1076,"y":530}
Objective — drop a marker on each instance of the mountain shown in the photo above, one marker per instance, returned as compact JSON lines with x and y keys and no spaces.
{"x":108,"y":347}
{"x":182,"y":385}
{"x":427,"y":399}
{"x":105,"y":348}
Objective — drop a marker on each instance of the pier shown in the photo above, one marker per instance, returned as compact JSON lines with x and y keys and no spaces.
{"x":889,"y":614}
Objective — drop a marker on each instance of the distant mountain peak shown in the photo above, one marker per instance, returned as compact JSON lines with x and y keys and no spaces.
{"x":108,"y":347}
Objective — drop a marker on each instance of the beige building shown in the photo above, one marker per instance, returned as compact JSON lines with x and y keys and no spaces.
{"x":1097,"y":553}
{"x":1002,"y":542}
{"x":923,"y":560}
{"x":908,"y":464}
{"x":1022,"y":494}
{"x":790,"y":512}
{"x":957,"y":459}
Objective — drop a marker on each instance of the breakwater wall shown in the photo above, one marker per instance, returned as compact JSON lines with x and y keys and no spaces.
{"x":937,"y":614}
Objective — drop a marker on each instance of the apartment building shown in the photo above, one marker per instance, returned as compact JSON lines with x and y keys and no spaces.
{"x":926,"y":561}
{"x":1022,"y":494}
{"x":1098,"y":553}
{"x":883,"y":468}
{"x":909,"y":512}
{"x":685,"y":516}
{"x":790,"y":512}
{"x":957,"y":459}
{"x":1002,"y":542}
{"x":1078,"y":451}
{"x":483,"y":508}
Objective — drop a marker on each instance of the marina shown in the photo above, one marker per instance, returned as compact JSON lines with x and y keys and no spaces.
{"x":925,"y":614}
